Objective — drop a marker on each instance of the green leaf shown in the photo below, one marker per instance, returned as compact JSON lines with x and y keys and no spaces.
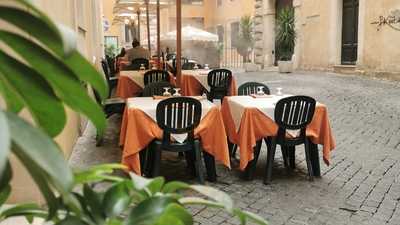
{"x":94,"y":200}
{"x":49,"y":36}
{"x":156,"y":184}
{"x":148,"y":211}
{"x":23,"y":210}
{"x":200,"y":201}
{"x":71,"y":220}
{"x":38,"y":96}
{"x":67,"y":35}
{"x":40,"y":150}
{"x":64,"y":82}
{"x":34,"y":26}
{"x":40,"y":179}
{"x":174,"y":186}
{"x":244,"y":215}
{"x":116,"y":199}
{"x":175,"y":211}
{"x":4,"y":194}
{"x":98,"y":173}
{"x":6,"y":176}
{"x":13,"y":101}
{"x":139,"y":182}
{"x":217,"y":195}
{"x":4,"y":141}
{"x":87,"y":72}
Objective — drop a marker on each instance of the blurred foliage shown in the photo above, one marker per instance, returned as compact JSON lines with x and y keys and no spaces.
{"x":286,"y":34}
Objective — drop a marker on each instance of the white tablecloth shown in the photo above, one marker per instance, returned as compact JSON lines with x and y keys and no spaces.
{"x":266,"y":104}
{"x":135,"y":75}
{"x":149,"y":106}
{"x":200,"y":75}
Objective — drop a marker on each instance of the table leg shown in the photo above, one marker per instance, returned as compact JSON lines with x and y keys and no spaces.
{"x":314,"y":155}
{"x":210,"y":167}
{"x":251,"y":166}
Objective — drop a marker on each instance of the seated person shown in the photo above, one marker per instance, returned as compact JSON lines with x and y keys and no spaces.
{"x":136,"y":52}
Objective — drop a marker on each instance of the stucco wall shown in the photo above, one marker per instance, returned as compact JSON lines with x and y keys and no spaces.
{"x":381,"y":51}
{"x":90,"y":44}
{"x":319,"y":25}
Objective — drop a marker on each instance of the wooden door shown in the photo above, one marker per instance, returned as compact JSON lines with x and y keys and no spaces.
{"x":350,"y":32}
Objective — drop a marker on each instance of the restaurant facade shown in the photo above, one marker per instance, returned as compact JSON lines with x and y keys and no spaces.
{"x":347,"y":36}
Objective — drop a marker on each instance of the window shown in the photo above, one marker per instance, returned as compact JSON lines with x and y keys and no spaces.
{"x":234,"y":34}
{"x":111,"y":40}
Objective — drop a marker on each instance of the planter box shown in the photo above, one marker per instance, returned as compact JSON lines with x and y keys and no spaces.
{"x":285,"y":66}
{"x":251,"y":67}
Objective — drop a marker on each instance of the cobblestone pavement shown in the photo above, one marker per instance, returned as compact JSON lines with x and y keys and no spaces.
{"x":362,"y":186}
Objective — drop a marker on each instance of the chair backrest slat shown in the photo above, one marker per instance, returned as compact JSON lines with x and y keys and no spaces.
{"x":155,"y":76}
{"x":294,"y":112}
{"x":250,"y":88}
{"x":178,"y":115}
{"x":219,"y":78}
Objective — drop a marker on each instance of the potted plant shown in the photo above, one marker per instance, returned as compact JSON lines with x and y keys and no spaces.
{"x":246,"y":42}
{"x":285,"y":39}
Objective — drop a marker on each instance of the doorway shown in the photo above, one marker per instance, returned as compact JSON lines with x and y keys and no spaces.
{"x":350,"y":32}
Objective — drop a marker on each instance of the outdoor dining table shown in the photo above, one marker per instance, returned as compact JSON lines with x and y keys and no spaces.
{"x":131,"y":83}
{"x":248,"y":119}
{"x":193,"y":82}
{"x":139,"y":128}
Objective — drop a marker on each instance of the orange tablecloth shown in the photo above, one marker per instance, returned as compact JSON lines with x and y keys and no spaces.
{"x":138,"y":130}
{"x":255,"y":125}
{"x":190,"y":86}
{"x":127,"y":88}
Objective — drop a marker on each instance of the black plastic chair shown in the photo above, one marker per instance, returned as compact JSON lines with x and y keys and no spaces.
{"x":219,"y":81}
{"x":111,"y":80}
{"x":155,"y":76}
{"x":111,"y":65}
{"x":180,"y":115}
{"x":110,"y":107}
{"x":183,"y":62}
{"x":250,"y":88}
{"x":191,"y":66}
{"x":137,"y":63}
{"x":292,"y":113}
{"x":156,"y":88}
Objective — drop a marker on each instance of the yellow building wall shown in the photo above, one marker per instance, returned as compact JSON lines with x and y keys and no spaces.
{"x":381,"y":48}
{"x":319,"y":26}
{"x":89,"y":28}
{"x":313,"y":19}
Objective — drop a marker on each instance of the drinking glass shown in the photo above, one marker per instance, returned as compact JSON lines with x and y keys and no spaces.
{"x":195,"y":67}
{"x":166,"y":92}
{"x":279,"y":91}
{"x":260,"y":90}
{"x":142,"y":67}
{"x":206,"y":67}
{"x":177,"y":90}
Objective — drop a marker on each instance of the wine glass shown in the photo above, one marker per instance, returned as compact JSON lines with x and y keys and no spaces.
{"x":177,"y":90}
{"x":166,"y":92}
{"x":260,"y":90}
{"x":279,"y":91}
